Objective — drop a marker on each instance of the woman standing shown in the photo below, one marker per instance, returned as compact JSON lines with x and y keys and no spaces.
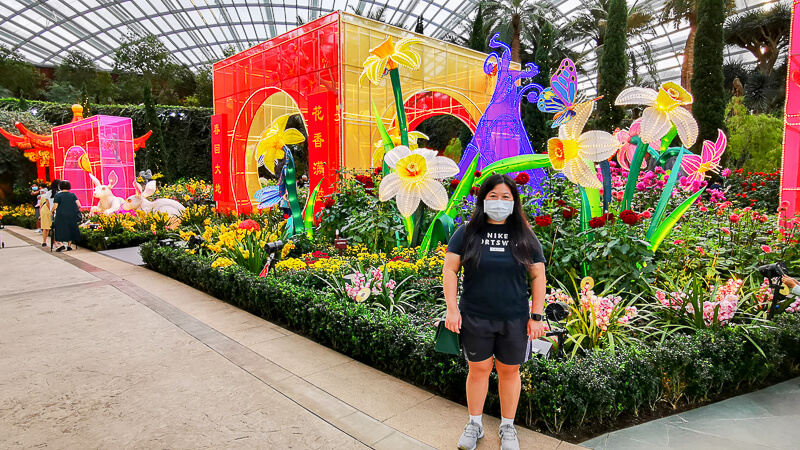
{"x":499,"y":252}
{"x":67,"y":208}
{"x":45,"y":213}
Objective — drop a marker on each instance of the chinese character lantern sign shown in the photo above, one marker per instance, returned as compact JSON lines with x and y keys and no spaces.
{"x":219,"y":160}
{"x":100,"y":145}
{"x":500,"y":133}
{"x":323,"y":153}
{"x":790,"y":172}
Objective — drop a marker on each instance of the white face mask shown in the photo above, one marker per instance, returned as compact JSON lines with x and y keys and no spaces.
{"x":498,"y":210}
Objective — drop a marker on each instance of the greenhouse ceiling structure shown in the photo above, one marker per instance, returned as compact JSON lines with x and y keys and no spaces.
{"x":197,"y":31}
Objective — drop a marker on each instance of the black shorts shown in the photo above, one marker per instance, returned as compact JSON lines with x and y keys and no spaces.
{"x":506,"y":340}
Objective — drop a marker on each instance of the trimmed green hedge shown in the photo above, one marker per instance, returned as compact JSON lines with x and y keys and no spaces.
{"x":25,"y":221}
{"x":187,"y":131}
{"x":559,"y":395}
{"x":96,"y":240}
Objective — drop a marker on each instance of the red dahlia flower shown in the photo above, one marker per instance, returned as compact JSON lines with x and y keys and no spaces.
{"x":522,"y":178}
{"x":597,"y":222}
{"x":543,"y":221}
{"x":629,"y":217}
{"x":569,"y":213}
{"x":454,"y":183}
{"x":474,"y":190}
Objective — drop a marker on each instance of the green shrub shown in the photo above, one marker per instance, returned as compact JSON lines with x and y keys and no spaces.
{"x":559,"y":395}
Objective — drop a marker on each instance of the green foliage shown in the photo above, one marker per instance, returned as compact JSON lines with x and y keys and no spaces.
{"x":62,"y":92}
{"x":454,"y":149}
{"x":559,"y":395}
{"x":537,"y":123}
{"x":77,"y":70}
{"x":755,"y":141}
{"x":613,"y":66}
{"x":19,"y":77}
{"x":204,"y":94}
{"x":477,"y":34}
{"x":708,"y":82}
{"x":14,"y":166}
{"x":187,"y":132}
{"x":99,"y":240}
{"x":155,"y":151}
{"x":360,"y":217}
{"x":762,"y":32}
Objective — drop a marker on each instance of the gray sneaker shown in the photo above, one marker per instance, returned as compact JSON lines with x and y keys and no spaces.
{"x":469,"y":438}
{"x":508,"y":438}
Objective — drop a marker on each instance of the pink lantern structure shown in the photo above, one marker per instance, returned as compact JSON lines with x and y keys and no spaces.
{"x":100,"y":145}
{"x":790,"y":160}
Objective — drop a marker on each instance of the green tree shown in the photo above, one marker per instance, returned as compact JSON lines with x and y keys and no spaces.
{"x":155,"y":145}
{"x":593,"y":22}
{"x":77,"y":69}
{"x":708,"y":82}
{"x":62,"y":92}
{"x":204,"y":93}
{"x":536,"y":122}
{"x":86,"y":102}
{"x":477,"y":33}
{"x":764,"y":33}
{"x":19,"y":77}
{"x":613,"y":68}
{"x":513,"y":18}
{"x":146,"y":61}
{"x":755,"y":141}
{"x":107,"y":91}
{"x":678,"y":12}
{"x":13,"y":165}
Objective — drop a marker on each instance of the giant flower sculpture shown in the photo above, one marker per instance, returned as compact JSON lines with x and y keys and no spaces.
{"x":573,"y":153}
{"x":628,"y":149}
{"x":394,"y":133}
{"x":270,"y":143}
{"x":388,"y":56}
{"x":664,"y":109}
{"x":696,"y":166}
{"x":416,"y":178}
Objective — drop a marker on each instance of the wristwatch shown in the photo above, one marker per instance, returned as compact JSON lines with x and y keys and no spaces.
{"x":537,"y":317}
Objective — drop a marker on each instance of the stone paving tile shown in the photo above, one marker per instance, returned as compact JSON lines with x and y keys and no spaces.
{"x":299,"y":355}
{"x":382,"y":396}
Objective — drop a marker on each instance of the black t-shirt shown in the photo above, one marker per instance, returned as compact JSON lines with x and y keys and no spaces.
{"x":498,"y":288}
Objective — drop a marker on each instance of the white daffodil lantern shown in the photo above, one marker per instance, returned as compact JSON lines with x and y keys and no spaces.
{"x":416,"y":177}
{"x":665,"y":108}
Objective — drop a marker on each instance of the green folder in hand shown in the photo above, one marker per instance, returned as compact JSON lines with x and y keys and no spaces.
{"x":447,"y":341}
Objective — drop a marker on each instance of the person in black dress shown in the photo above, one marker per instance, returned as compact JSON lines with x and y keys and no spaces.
{"x":66,"y":207}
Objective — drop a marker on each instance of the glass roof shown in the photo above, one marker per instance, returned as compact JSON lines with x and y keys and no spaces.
{"x":197,"y":31}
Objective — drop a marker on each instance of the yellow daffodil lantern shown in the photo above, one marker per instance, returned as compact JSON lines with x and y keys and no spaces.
{"x":270,"y":143}
{"x":573,"y":153}
{"x":665,"y":108}
{"x":416,"y":178}
{"x":394,"y":134}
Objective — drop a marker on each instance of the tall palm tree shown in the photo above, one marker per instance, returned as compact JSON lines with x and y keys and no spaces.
{"x":514,"y":17}
{"x":763,"y":33}
{"x":678,"y":12}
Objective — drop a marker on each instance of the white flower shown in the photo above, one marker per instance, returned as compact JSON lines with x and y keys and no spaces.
{"x":415,"y":177}
{"x":664,"y":108}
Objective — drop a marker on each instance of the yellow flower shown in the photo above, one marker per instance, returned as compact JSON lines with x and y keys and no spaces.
{"x":290,"y":264}
{"x":415,"y":178}
{"x":271,"y":142}
{"x":222,"y":262}
{"x":388,"y":56}
{"x":394,"y":133}
{"x":664,"y":109}
{"x":572,"y":152}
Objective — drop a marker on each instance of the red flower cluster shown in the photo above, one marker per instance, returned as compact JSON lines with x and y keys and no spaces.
{"x":629,"y":217}
{"x":378,"y":170}
{"x":561,"y":203}
{"x":285,"y":217}
{"x":249,"y":224}
{"x":474,"y":190}
{"x":454,"y":183}
{"x":477,"y":174}
{"x":597,"y":222}
{"x":543,"y":221}
{"x":366,"y":180}
{"x":522,"y":178}
{"x":328,"y":202}
{"x":609,"y":217}
{"x":569,"y":213}
{"x":320,"y":255}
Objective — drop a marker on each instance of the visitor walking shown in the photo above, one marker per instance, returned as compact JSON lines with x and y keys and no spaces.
{"x":498,"y":251}
{"x":36,"y":212}
{"x":55,"y":188}
{"x":66,"y":206}
{"x":45,"y":214}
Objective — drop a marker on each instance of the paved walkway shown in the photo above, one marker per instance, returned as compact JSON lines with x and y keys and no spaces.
{"x":765,"y":419}
{"x":99,"y":353}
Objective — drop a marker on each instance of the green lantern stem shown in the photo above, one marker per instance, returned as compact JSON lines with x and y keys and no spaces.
{"x":291,"y":188}
{"x":397,"y":90}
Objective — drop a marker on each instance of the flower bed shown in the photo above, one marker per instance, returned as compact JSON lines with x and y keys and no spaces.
{"x":560,"y":396}
{"x":21,"y":216}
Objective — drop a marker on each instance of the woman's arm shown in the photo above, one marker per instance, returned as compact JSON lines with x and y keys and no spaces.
{"x":452,"y":264}
{"x":538,"y":289}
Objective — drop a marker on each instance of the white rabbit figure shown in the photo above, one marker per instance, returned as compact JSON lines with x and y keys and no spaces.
{"x":140,"y":201}
{"x":109,"y":203}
